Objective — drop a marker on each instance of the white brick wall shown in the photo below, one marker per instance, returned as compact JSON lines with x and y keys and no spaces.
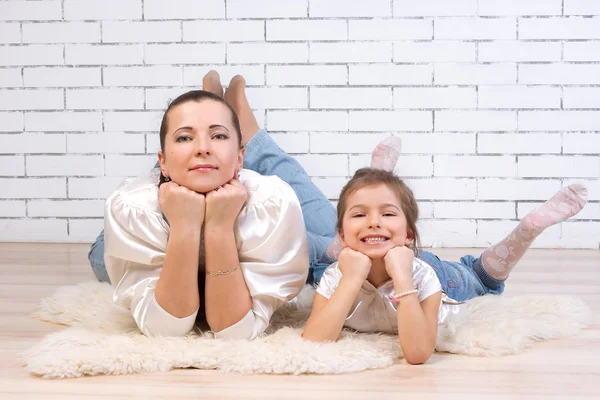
{"x":497,"y":102}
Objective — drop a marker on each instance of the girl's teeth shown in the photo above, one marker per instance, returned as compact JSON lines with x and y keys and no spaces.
{"x":370,"y":240}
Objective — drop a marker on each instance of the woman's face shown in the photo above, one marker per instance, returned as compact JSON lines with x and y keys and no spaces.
{"x":201,"y":146}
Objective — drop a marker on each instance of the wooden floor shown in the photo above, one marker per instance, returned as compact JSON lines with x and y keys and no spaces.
{"x":567,"y":368}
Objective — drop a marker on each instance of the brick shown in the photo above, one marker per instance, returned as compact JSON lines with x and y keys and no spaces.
{"x":104,"y":54}
{"x":474,"y":166}
{"x":475,"y":74}
{"x":581,"y":234}
{"x":223,"y":31}
{"x":438,"y":143}
{"x":31,"y":55}
{"x":159,"y":99}
{"x":425,"y":209}
{"x":350,"y":98}
{"x":33,"y":230}
{"x":469,"y":210}
{"x":85,"y":230}
{"x":350,"y":52}
{"x":106,"y":142}
{"x":344,"y":142}
{"x":581,"y":143}
{"x":62,"y":77}
{"x":184,"y":53}
{"x":559,"y":121}
{"x":291,"y":75}
{"x":12,"y":208}
{"x":407,"y":166}
{"x":65,"y":208}
{"x":102,"y":9}
{"x":559,"y":166}
{"x":184,"y":9}
{"x":62,"y":32}
{"x":63,"y":121}
{"x":475,"y":121}
{"x":581,"y":7}
{"x":389,"y":74}
{"x":307,"y":120}
{"x":143,"y":76}
{"x":141,"y":32}
{"x":581,"y":51}
{"x":118,"y":165}
{"x":253,"y":74}
{"x":454,"y":233}
{"x":341,"y":8}
{"x":307,"y":30}
{"x":11,"y":121}
{"x":10,"y":77}
{"x":324,"y":165}
{"x":581,"y":97}
{"x":435,"y":97}
{"x":29,"y":188}
{"x":31,"y":143}
{"x":330,"y":187}
{"x":105,"y":99}
{"x":427,"y":8}
{"x":435,"y":51}
{"x":30,"y":11}
{"x":132,"y":121}
{"x":274,"y":98}
{"x":519,"y":51}
{"x":256,"y":53}
{"x":298,"y":143}
{"x":559,"y":28}
{"x":519,"y":143}
{"x":65,"y":165}
{"x":516,"y":189}
{"x":443,"y":188}
{"x":565,"y":74}
{"x":519,"y":97}
{"x":516,"y":7}
{"x":10,"y":33}
{"x":93,"y":188}
{"x":390,"y":29}
{"x":266,"y":9}
{"x":12,"y":165}
{"x":369,"y":121}
{"x":25,"y":99}
{"x":475,"y":28}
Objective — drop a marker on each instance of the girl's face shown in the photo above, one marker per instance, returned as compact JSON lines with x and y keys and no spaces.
{"x":374,"y":222}
{"x":201,"y":146}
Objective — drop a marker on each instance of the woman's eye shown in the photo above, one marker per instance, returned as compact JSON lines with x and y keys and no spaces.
{"x":221,"y":136}
{"x":183,"y":139}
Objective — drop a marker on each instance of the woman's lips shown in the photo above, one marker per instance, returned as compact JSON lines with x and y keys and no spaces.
{"x":204,"y":168}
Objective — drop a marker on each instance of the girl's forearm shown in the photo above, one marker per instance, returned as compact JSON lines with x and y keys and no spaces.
{"x":326,"y":324}
{"x":177,"y":287}
{"x":227,"y":298}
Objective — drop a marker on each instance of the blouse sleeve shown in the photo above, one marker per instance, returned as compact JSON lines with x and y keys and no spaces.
{"x":425,"y":279}
{"x":136,"y":237}
{"x":329,"y":281}
{"x":273,"y":254}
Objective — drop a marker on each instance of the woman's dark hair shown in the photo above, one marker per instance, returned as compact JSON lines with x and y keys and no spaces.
{"x":197,"y":96}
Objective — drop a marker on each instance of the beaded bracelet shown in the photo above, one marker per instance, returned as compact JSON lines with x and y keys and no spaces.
{"x":396,"y":296}
{"x":217,"y":273}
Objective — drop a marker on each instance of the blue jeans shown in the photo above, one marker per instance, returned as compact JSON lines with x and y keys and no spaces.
{"x":265,"y":157}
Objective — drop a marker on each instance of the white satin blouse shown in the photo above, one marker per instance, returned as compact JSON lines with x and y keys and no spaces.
{"x":373,"y":311}
{"x":271,"y":242}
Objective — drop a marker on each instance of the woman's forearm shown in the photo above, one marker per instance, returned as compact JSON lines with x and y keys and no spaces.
{"x":227,"y":299}
{"x":177,"y":287}
{"x":326,"y":324}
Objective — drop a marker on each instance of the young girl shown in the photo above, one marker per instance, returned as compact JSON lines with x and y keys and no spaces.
{"x":378,"y":285}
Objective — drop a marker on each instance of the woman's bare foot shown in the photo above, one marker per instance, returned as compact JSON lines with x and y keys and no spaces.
{"x":235,"y":96}
{"x":212,"y":83}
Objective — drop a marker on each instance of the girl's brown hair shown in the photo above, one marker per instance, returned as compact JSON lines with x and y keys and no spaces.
{"x":366,"y":177}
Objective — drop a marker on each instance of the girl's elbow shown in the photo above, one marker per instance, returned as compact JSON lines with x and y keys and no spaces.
{"x":417,"y":357}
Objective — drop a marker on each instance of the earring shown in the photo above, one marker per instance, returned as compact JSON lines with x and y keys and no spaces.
{"x":167,"y":179}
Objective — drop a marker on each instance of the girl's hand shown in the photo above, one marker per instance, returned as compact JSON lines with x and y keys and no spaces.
{"x":354,"y":265}
{"x":181,"y":206}
{"x":224,"y":204}
{"x":398,"y":262}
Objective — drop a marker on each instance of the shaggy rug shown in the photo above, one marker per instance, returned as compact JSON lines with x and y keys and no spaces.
{"x":103,"y":338}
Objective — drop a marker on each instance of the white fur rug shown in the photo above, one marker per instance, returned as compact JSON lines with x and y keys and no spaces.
{"x":103,"y":338}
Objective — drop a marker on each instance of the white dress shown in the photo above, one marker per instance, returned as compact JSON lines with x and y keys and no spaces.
{"x":270,"y":237}
{"x":373,"y":311}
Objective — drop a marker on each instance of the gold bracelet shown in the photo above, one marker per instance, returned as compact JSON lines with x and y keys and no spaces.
{"x":217,"y":273}
{"x":396,"y":296}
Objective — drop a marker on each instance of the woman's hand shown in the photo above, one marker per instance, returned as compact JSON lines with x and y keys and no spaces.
{"x":354,"y":265}
{"x":223,"y":205}
{"x":181,"y":206}
{"x":398,"y":262}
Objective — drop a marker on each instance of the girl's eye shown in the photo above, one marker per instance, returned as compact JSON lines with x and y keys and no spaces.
{"x":389,"y":214}
{"x":358,"y":215}
{"x":183,"y":139}
{"x":221,"y":136}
